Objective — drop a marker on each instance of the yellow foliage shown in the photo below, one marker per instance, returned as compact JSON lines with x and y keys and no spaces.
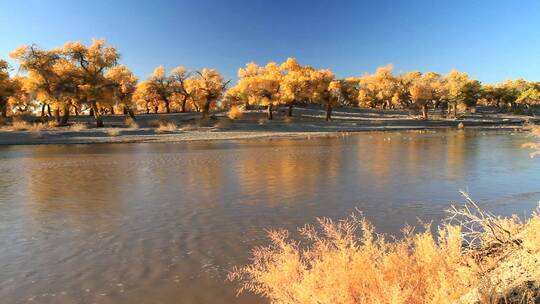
{"x":346,"y":262}
{"x":235,"y":112}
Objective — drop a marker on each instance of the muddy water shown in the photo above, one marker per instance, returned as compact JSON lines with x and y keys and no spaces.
{"x":162,"y":223}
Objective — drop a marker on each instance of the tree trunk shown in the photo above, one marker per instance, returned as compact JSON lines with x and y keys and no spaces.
{"x":206,"y":109}
{"x":270,"y":109}
{"x":49,"y":110}
{"x":43,"y":109}
{"x":112,"y":110}
{"x":91,"y":112}
{"x":247,"y":106}
{"x":99,"y":121}
{"x":130,"y":113}
{"x":65,"y":117}
{"x":57,"y":115}
{"x":76,"y":110}
{"x":328,"y":112}
{"x":289,"y":113}
{"x":167,"y":108}
{"x":184,"y":102}
{"x":425,"y":111}
{"x":156,"y":108}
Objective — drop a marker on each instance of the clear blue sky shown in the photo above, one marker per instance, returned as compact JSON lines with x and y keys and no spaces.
{"x":491,"y":40}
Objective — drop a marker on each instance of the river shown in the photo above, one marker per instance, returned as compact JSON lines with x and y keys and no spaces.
{"x":163,"y":223}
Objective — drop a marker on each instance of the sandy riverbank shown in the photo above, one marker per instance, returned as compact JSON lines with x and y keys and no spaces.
{"x":306,"y":122}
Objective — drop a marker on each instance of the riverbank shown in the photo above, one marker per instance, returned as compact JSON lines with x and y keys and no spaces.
{"x":305,"y":123}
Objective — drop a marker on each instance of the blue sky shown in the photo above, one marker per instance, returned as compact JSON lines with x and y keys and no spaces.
{"x":491,"y":40}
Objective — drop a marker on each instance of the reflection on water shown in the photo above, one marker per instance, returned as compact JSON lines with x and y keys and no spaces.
{"x":162,"y":223}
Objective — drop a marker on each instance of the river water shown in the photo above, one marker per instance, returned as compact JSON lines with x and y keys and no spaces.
{"x":163,"y":223}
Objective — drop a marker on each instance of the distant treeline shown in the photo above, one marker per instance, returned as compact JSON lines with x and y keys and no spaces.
{"x":79,"y":79}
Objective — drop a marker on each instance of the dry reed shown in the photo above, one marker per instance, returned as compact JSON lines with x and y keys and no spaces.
{"x":475,"y":257}
{"x":166,"y":127}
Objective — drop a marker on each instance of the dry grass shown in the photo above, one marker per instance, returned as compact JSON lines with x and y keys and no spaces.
{"x":113,"y":132}
{"x":165,"y":126}
{"x":190,"y":127}
{"x":131,"y":123}
{"x":346,"y":262}
{"x":235,"y":112}
{"x":535,"y":131}
{"x":222,"y":124}
{"x":288,"y":119}
{"x":18,"y":124}
{"x":77,"y":127}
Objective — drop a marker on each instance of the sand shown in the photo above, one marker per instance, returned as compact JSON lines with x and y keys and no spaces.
{"x":306,"y":122}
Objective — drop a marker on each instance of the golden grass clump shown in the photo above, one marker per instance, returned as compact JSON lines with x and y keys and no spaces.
{"x":131,"y":123}
{"x":535,"y":131}
{"x":37,"y":127}
{"x":166,"y":127}
{"x":77,"y":127}
{"x":222,"y":124}
{"x":20,"y":125}
{"x":347,"y":262}
{"x":113,"y":132}
{"x":288,"y":119}
{"x":235,"y":112}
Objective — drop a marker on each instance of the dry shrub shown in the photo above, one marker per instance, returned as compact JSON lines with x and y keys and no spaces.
{"x":166,"y":127}
{"x":50,"y":124}
{"x":37,"y":127}
{"x":461,"y":126}
{"x":222,"y":124}
{"x":131,"y":123}
{"x":235,"y":112}
{"x":339,"y":265}
{"x":77,"y":127}
{"x":113,"y":131}
{"x":461,"y":107}
{"x":190,"y":127}
{"x":346,"y":262}
{"x":535,"y":131}
{"x":20,"y":125}
{"x":288,"y":119}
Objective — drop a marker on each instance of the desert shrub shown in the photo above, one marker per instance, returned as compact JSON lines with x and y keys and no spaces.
{"x":77,"y":127}
{"x":190,"y":127}
{"x":474,"y":257}
{"x":462,"y":107}
{"x":222,"y":124}
{"x":19,"y":125}
{"x":235,"y":112}
{"x":535,"y":146}
{"x":165,"y":126}
{"x":113,"y":132}
{"x":37,"y":127}
{"x":131,"y":123}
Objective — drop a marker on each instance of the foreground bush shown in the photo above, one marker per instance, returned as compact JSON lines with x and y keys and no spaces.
{"x":474,"y":257}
